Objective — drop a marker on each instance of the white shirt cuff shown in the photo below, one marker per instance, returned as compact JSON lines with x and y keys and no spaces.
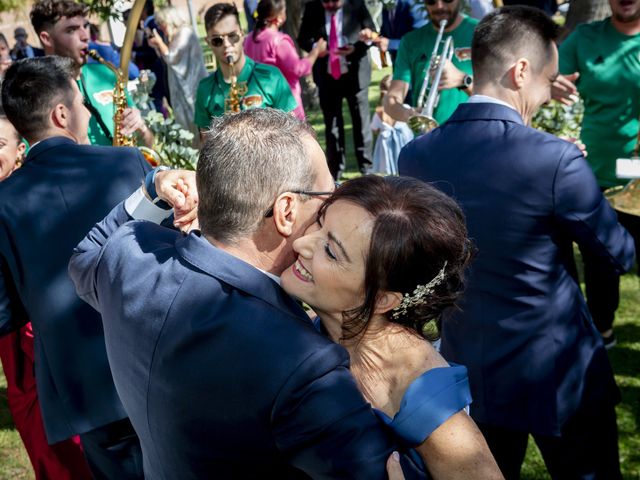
{"x":139,"y":207}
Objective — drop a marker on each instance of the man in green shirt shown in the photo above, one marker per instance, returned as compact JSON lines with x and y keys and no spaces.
{"x":604,"y":59}
{"x":63,"y":29}
{"x":239,"y":83}
{"x":414,"y":55}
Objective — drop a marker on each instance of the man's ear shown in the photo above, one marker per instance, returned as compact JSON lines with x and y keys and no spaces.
{"x":520,"y":72}
{"x":60,"y":116}
{"x":285,"y":213}
{"x":45,"y":39}
{"x":386,"y":301}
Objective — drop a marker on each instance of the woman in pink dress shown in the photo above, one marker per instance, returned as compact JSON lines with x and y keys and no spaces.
{"x":266,"y":44}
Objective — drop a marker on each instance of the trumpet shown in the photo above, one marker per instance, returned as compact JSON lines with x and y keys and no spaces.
{"x":424,"y":122}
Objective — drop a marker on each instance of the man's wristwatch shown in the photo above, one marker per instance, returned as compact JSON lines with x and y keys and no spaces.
{"x":467,"y":81}
{"x":150,"y":187}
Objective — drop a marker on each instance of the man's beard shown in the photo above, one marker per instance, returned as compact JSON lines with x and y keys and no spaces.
{"x":627,"y":18}
{"x":450,"y":18}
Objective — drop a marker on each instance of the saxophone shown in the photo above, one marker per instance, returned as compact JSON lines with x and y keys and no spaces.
{"x":120,"y":104}
{"x":236,"y":91}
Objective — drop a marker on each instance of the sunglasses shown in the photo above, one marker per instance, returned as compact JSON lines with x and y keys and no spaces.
{"x":269,"y":213}
{"x":431,"y":3}
{"x":218,"y":40}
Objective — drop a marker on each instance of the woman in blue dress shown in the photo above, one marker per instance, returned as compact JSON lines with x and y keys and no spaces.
{"x":381,"y":267}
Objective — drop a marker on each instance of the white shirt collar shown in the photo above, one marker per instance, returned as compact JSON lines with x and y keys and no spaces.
{"x":488,"y":99}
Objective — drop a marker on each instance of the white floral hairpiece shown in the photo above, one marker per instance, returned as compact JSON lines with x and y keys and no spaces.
{"x":419,"y":295}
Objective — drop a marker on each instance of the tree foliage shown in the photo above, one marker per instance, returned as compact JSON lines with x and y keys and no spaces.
{"x":9,"y":5}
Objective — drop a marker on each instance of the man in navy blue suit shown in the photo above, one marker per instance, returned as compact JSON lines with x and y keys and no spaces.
{"x":536,"y":362}
{"x":46,"y":207}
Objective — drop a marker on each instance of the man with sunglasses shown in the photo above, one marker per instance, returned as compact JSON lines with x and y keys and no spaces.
{"x":63,"y":29}
{"x":343,"y":72}
{"x":258,"y":85}
{"x":414,"y":55}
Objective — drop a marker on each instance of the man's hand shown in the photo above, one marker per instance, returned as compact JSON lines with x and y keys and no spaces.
{"x":393,"y":467}
{"x":564,"y":89}
{"x":451,"y":77}
{"x":178,"y":188}
{"x":132,"y":122}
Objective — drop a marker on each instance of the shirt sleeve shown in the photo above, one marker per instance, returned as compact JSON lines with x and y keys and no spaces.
{"x":402,"y":67}
{"x":201,"y":117}
{"x":283,"y":98}
{"x":568,"y":53}
{"x":288,"y":61}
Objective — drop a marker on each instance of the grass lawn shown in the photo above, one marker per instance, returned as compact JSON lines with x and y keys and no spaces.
{"x":625,"y":357}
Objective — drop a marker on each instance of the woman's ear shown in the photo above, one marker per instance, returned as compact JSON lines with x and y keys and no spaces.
{"x":387,"y":301}
{"x":285,"y":211}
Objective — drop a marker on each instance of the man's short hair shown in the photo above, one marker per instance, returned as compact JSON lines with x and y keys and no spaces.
{"x":507,"y":34}
{"x":246,"y":161}
{"x":45,"y":13}
{"x":217,"y":12}
{"x":32,"y":87}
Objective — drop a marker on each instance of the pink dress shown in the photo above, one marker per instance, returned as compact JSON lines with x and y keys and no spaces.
{"x":277,"y":48}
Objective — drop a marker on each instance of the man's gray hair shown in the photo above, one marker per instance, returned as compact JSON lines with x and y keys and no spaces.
{"x":247,"y":160}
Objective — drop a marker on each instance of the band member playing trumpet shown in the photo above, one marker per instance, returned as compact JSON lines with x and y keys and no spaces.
{"x":63,"y":29}
{"x":239,"y":83}
{"x":415,"y":59}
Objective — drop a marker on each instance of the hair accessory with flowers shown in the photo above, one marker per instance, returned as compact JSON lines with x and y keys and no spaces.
{"x":419,"y":295}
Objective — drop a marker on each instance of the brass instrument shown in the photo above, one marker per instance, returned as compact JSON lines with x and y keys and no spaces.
{"x":119,"y":102}
{"x":424,"y":122}
{"x":236,"y":91}
{"x":625,"y":199}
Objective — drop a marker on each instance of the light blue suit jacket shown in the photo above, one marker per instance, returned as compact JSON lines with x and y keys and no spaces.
{"x":524,"y":331}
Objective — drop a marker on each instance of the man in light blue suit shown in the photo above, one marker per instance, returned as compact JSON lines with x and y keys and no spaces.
{"x":222,"y":374}
{"x":536,"y":362}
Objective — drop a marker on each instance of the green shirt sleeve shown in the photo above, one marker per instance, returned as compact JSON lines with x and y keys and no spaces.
{"x":568,"y":54}
{"x":284,"y":98}
{"x":201,"y":116}
{"x":402,"y":67}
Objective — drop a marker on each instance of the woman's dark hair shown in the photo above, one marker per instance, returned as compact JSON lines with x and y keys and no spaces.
{"x":217,"y":12}
{"x":416,"y":230}
{"x":266,"y":10}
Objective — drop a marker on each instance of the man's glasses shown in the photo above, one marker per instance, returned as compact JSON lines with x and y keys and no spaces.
{"x":269,"y":213}
{"x":218,"y":40}
{"x":431,"y":3}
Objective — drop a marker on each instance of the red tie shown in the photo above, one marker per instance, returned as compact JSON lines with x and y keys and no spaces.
{"x":334,"y":59}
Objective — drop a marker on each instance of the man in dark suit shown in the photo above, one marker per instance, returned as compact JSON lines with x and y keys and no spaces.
{"x":221,"y":372}
{"x":402,"y":17}
{"x":46,"y":207}
{"x":536,"y":362}
{"x":343,"y":73}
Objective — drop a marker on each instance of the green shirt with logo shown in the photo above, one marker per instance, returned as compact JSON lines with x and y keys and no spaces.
{"x":264,"y":84}
{"x":96,"y":84}
{"x":609,"y":84}
{"x":414,"y":54}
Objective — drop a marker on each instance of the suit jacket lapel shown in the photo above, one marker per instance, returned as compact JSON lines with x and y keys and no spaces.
{"x":217,"y":263}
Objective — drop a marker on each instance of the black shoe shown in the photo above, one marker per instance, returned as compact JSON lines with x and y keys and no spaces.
{"x":609,"y":341}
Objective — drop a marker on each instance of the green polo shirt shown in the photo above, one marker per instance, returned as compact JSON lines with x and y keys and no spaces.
{"x":96,"y":84}
{"x":609,"y":84}
{"x":414,"y":54}
{"x":266,"y":87}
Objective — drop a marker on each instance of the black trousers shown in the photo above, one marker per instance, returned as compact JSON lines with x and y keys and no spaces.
{"x":331,"y":93}
{"x":587,"y":448}
{"x":113,"y":452}
{"x":602,"y":285}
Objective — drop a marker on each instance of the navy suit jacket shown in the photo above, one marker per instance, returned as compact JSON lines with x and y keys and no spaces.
{"x":524,"y":332}
{"x":46,"y":208}
{"x":355,"y":17}
{"x":222,"y":374}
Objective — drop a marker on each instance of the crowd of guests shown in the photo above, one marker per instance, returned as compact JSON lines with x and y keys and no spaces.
{"x":175,"y":345}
